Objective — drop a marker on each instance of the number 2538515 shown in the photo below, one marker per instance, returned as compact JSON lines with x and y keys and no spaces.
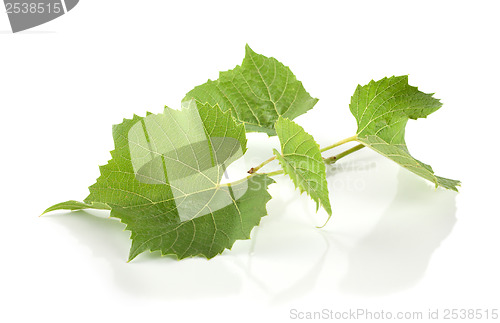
{"x":33,"y":8}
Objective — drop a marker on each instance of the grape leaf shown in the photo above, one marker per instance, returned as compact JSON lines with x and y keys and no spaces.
{"x":301,"y":159}
{"x":257,"y":93}
{"x":164,"y":183}
{"x":382,"y":109}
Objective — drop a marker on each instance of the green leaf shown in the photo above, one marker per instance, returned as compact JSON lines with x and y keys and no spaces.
{"x":157,"y":228}
{"x":301,"y":159}
{"x":164,"y":182}
{"x":382,"y":109}
{"x":257,"y":93}
{"x":219,"y":124}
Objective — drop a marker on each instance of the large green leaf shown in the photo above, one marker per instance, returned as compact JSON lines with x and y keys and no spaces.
{"x":301,"y":159}
{"x":157,"y":228}
{"x":257,"y":93}
{"x":382,"y":109}
{"x":164,"y":182}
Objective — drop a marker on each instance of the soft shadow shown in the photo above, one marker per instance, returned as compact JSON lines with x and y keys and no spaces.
{"x":307,"y":282}
{"x":395,"y":254}
{"x":286,"y":255}
{"x":149,"y":275}
{"x":362,"y":163}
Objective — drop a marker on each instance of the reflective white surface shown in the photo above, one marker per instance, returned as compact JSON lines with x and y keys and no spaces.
{"x":379,"y":241}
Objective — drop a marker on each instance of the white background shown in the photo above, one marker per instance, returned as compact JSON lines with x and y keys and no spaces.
{"x":393,"y":244}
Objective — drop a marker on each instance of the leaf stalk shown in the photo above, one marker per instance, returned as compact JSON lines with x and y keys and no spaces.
{"x":328,"y":161}
{"x":334,"y":159}
{"x":339,"y":143}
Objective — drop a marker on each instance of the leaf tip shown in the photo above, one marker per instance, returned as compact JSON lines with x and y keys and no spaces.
{"x":327,"y":220}
{"x":47,"y":210}
{"x":248,"y":50}
{"x":131,"y":256}
{"x":134,"y":249}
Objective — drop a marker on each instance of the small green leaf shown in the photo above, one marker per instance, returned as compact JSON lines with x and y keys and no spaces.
{"x":75,"y":205}
{"x":164,"y":182}
{"x":257,"y":93}
{"x":382,"y":109}
{"x":301,"y":159}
